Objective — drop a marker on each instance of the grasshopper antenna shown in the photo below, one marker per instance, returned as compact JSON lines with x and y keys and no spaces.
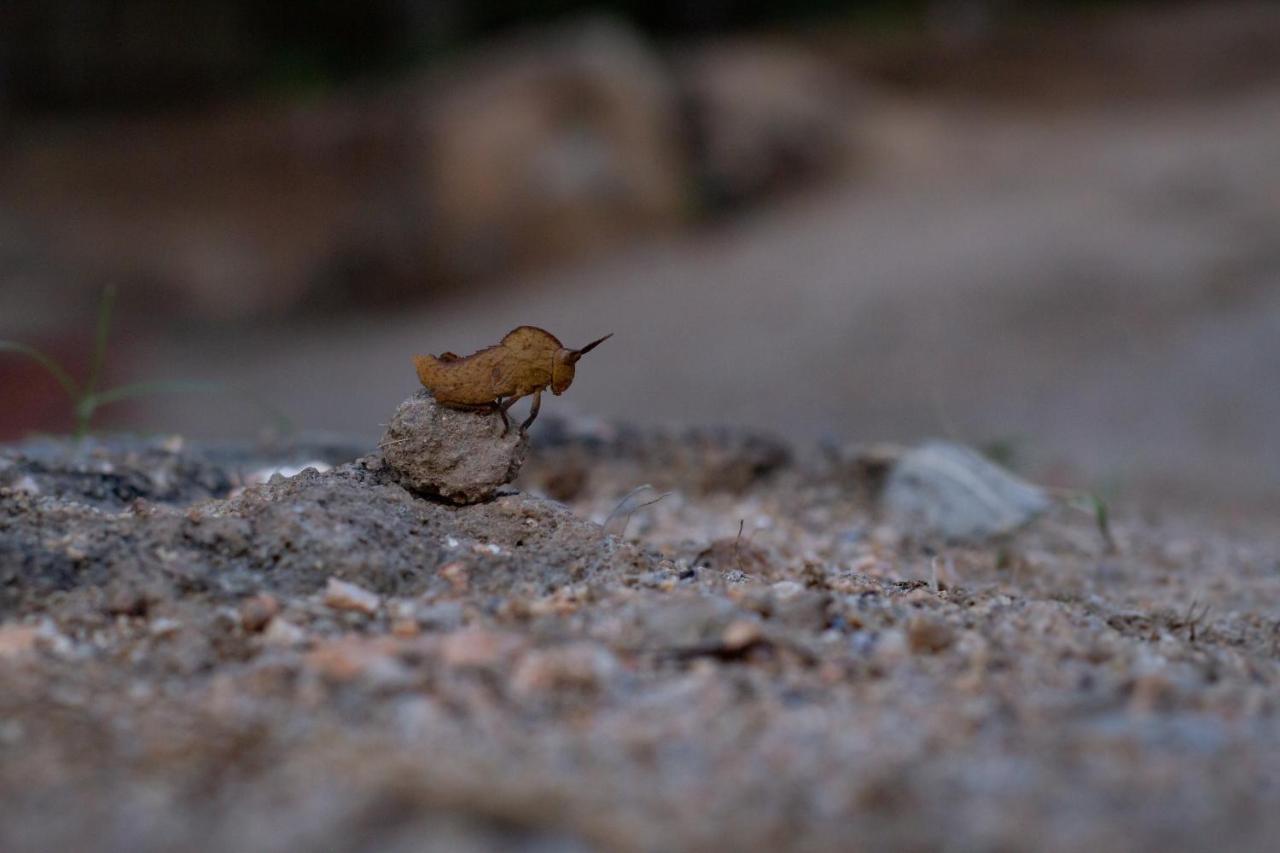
{"x":577,"y":354}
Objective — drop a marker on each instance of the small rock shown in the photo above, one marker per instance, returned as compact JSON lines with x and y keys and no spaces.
{"x":787,"y":589}
{"x":1151,"y":693}
{"x":804,"y":609}
{"x":373,"y":661}
{"x":17,"y":641}
{"x":478,"y":648}
{"x":577,"y":666}
{"x":764,"y":118}
{"x":947,"y":490}
{"x":741,"y":634}
{"x":27,"y":486}
{"x":565,"y":482}
{"x":283,"y":633}
{"x":405,"y":628}
{"x":443,"y":616}
{"x":402,"y":608}
{"x":460,"y":456}
{"x":688,"y":622}
{"x":890,"y":649}
{"x":50,"y":639}
{"x":124,"y":600}
{"x":258,"y":611}
{"x":733,"y":554}
{"x":458,"y":576}
{"x":165,"y":627}
{"x":928,"y":636}
{"x":341,"y":595}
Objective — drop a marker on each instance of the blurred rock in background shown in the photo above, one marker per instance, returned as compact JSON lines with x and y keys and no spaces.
{"x":520,"y":154}
{"x":561,"y":143}
{"x":765,"y":118}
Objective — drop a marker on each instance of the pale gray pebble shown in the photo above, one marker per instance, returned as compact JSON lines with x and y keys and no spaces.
{"x":949,"y":491}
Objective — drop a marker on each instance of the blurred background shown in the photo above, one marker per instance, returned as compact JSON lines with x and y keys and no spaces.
{"x":1048,"y":229}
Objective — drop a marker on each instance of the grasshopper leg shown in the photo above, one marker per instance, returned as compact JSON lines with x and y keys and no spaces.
{"x":502,"y":410}
{"x":498,"y":407}
{"x":533,"y":411}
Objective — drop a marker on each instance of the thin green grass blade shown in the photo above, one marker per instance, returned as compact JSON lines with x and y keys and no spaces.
{"x":1102,"y":518}
{"x":148,"y":389}
{"x":105,"y":309}
{"x":55,"y":369}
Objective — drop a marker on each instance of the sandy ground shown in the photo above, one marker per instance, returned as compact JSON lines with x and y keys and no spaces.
{"x":756,"y":662}
{"x":1098,"y":288}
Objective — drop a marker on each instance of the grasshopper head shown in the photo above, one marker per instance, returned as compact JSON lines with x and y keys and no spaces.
{"x":562,"y":371}
{"x":563,"y":366}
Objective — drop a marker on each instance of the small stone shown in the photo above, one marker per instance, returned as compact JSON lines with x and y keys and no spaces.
{"x":442,"y":616}
{"x":946,"y":490}
{"x":126,"y":600}
{"x":51,"y":640}
{"x":26,"y":485}
{"x":578,"y":666}
{"x":787,"y":589}
{"x":805,"y":608}
{"x":1151,"y":693}
{"x":373,"y":661}
{"x":478,"y":648}
{"x":258,"y":611}
{"x":741,"y":634}
{"x":458,"y":576}
{"x":890,"y":650}
{"x":405,"y":628}
{"x":688,"y":622}
{"x":461,"y":456}
{"x":283,"y":633}
{"x":17,"y":641}
{"x":341,"y":595}
{"x":928,"y":636}
{"x":399,"y":609}
{"x":165,"y":627}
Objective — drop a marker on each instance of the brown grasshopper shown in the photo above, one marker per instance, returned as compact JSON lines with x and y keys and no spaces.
{"x":527,"y":361}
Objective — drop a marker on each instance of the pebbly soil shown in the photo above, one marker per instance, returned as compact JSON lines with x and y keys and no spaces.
{"x":755,"y":661}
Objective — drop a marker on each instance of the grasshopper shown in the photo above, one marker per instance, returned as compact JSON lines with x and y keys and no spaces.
{"x":526,"y":361}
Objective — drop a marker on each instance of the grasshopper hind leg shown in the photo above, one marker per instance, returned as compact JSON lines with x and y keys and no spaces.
{"x":501,"y":407}
{"x":533,"y":411}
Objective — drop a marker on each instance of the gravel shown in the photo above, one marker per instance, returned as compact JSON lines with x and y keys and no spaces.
{"x":763,"y":664}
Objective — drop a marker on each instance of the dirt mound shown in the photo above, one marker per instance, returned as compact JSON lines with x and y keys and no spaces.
{"x":287,"y":536}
